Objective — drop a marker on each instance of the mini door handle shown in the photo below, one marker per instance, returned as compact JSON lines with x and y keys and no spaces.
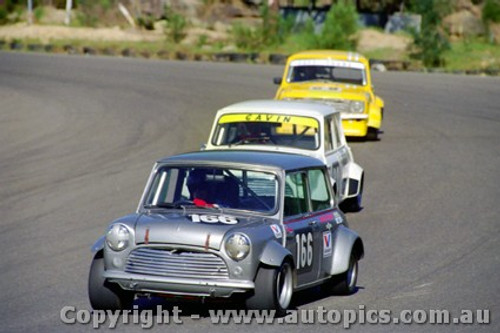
{"x":313,"y":222}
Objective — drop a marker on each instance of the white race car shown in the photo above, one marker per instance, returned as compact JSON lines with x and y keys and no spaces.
{"x":304,"y":128}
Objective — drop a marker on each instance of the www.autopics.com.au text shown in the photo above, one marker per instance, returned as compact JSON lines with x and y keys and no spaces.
{"x":147,"y":318}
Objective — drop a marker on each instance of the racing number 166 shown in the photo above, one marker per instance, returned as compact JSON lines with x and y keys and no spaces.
{"x":304,"y":250}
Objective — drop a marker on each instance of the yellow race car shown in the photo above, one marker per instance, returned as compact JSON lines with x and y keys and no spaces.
{"x":337,"y":78}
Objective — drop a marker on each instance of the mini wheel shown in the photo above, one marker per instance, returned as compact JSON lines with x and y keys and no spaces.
{"x":104,"y":295}
{"x":273,"y":289}
{"x":345,"y":283}
{"x":372,"y":134}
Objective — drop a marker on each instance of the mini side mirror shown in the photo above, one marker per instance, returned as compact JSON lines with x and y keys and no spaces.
{"x":277,"y":80}
{"x":203,"y":146}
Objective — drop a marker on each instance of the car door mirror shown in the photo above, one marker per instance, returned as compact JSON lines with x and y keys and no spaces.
{"x":203,"y":146}
{"x":277,"y":80}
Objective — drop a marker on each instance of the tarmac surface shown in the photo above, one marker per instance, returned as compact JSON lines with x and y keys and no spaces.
{"x":79,"y":135}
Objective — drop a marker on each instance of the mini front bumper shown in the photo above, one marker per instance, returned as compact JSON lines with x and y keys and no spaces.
{"x":355,"y":125}
{"x":179,"y":286}
{"x":356,"y":116}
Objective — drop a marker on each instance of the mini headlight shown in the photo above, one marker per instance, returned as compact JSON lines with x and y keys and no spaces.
{"x":117,"y":237}
{"x":237,"y":246}
{"x":357,"y":106}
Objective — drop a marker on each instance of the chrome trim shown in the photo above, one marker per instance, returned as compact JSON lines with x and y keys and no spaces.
{"x":127,"y":278}
{"x":348,"y":115}
{"x":173,"y":264}
{"x":341,"y":105}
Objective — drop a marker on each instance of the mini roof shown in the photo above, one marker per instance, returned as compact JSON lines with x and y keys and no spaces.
{"x":295,"y":108}
{"x":333,"y":54}
{"x":232,"y":158}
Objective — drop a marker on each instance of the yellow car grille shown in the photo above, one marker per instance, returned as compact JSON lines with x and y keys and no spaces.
{"x":338,"y":104}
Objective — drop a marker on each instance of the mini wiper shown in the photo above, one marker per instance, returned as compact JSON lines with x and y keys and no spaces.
{"x":161,"y":205}
{"x":184,"y":204}
{"x":176,"y":204}
{"x":315,"y":80}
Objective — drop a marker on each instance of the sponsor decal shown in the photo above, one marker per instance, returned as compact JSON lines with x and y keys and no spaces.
{"x":327,"y":62}
{"x":225,"y":219}
{"x":326,"y":88}
{"x":276,"y":230}
{"x":327,"y":244}
{"x":338,"y":217}
{"x":269,"y":118}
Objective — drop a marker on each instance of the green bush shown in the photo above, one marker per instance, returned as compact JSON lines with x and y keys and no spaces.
{"x":3,"y":15}
{"x":272,"y":31}
{"x":175,"y":26}
{"x":491,"y":11}
{"x":305,"y":38}
{"x":87,"y":13}
{"x":430,"y":43}
{"x":11,"y":10}
{"x":202,"y":41}
{"x":340,"y":27}
{"x":147,"y":22}
{"x":338,"y":31}
{"x":245,"y":37}
{"x":38,"y":13}
{"x":106,"y":4}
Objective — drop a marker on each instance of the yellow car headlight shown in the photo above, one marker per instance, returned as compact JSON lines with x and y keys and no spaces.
{"x":357,"y":106}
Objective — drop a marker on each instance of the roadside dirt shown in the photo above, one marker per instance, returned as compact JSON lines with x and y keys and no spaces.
{"x":47,"y":33}
{"x":369,"y":39}
{"x":372,"y":40}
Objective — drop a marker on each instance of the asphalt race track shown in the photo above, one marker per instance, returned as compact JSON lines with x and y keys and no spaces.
{"x":79,"y":135}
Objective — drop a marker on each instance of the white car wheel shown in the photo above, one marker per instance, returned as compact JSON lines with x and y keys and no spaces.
{"x":345,"y":283}
{"x":273,"y":289}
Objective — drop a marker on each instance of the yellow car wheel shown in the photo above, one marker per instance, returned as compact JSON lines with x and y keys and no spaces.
{"x":372,"y":134}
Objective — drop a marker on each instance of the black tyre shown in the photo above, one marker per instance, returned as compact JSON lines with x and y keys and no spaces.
{"x":372,"y":134}
{"x":273,"y":289}
{"x":345,"y":283}
{"x":104,"y":295}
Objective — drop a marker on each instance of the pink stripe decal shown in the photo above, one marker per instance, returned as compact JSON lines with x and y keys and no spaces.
{"x":323,"y":217}
{"x":326,"y":217}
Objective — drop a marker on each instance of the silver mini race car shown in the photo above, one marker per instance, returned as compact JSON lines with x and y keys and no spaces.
{"x":222,"y":223}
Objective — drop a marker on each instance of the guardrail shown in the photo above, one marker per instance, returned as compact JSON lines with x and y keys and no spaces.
{"x":234,"y":57}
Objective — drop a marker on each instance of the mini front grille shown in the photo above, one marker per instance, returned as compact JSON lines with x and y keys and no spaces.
{"x":176,"y":264}
{"x":339,"y":104}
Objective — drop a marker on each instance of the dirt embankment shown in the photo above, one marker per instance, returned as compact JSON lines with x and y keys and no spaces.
{"x":369,"y":39}
{"x":48,"y":33}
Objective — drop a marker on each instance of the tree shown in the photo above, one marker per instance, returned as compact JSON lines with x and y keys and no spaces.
{"x":338,"y":31}
{"x":431,"y":41}
{"x":340,"y":27}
